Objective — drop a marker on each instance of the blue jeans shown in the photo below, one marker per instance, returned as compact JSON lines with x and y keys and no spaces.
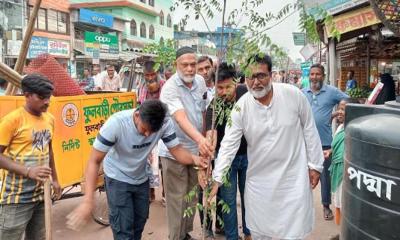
{"x":237,"y":177}
{"x":326,"y":181}
{"x":129,"y":208}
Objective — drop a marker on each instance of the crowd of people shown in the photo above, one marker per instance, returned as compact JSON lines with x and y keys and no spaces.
{"x":271,"y":151}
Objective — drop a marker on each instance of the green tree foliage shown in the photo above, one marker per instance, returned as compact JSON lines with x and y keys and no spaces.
{"x":309,"y":24}
{"x":253,"y":38}
{"x":164,"y":51}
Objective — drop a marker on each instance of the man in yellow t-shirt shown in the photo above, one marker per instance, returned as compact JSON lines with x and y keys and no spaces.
{"x":26,"y":160}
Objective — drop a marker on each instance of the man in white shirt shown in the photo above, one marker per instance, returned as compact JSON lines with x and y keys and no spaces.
{"x":96,"y":72}
{"x":111,"y":81}
{"x":284,"y":155}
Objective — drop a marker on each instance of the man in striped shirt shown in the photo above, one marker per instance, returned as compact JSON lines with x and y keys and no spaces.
{"x":25,"y":156}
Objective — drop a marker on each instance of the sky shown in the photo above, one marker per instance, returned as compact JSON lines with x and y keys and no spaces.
{"x":280,"y":34}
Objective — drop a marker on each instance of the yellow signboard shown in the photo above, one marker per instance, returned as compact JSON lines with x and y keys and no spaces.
{"x":77,"y":122}
{"x":354,"y":20}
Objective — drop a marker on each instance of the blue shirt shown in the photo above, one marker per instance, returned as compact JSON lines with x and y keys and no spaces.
{"x":322,"y":104}
{"x":351,"y":84}
{"x":127,"y":150}
{"x":88,"y":83}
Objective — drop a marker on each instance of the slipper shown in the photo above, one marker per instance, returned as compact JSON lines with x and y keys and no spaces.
{"x":328,"y":215}
{"x":219,"y":231}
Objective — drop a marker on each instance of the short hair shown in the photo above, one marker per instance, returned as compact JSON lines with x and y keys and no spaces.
{"x":148,"y":66}
{"x":169,"y":68}
{"x":205,"y":58}
{"x":110,"y":66}
{"x":86,"y":69}
{"x":226,"y":71}
{"x":38,"y":84}
{"x":351,"y":73}
{"x":319,"y":66}
{"x":260,"y":58}
{"x":153,"y":112}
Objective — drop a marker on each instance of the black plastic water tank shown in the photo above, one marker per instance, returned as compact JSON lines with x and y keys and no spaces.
{"x":371,"y":179}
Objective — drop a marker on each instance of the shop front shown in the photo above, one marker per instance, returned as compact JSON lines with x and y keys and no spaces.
{"x":60,"y":49}
{"x":96,"y":39}
{"x":99,"y":49}
{"x":367,"y":48}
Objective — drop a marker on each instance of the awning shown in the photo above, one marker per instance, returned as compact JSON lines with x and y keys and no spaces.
{"x":127,"y":56}
{"x":103,"y":56}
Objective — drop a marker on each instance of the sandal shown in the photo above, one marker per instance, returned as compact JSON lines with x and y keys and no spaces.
{"x":328,"y":215}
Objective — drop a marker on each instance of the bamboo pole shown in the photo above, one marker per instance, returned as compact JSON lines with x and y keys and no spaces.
{"x":132,"y":76}
{"x":19,"y":66}
{"x":10,"y":75}
{"x":209,"y":183}
{"x":47,"y":207}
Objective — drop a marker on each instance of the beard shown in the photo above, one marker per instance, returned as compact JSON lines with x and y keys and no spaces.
{"x":186,"y":79}
{"x":154,"y":86}
{"x":317,"y":85}
{"x":261,"y":93}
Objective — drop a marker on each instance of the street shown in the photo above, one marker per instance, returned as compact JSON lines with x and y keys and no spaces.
{"x":156,"y":226}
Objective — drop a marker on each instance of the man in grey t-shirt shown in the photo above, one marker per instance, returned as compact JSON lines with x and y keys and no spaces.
{"x":185,"y":94}
{"x":124,"y":142}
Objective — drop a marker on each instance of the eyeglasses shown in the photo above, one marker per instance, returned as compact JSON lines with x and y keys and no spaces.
{"x":259,"y":76}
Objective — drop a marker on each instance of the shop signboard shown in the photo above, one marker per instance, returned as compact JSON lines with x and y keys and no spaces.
{"x":308,"y":51}
{"x":104,"y":43}
{"x":13,"y":47}
{"x":305,"y":68}
{"x":299,"y":38}
{"x":58,"y":48}
{"x":39,"y":45}
{"x":96,"y":18}
{"x":354,"y":20}
{"x":313,"y":7}
{"x":305,"y":73}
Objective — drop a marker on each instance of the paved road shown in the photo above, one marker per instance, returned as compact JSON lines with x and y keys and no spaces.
{"x":156,"y":227}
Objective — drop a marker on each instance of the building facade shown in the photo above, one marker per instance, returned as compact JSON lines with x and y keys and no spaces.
{"x":52,"y":31}
{"x":96,"y":39}
{"x":144,"y":21}
{"x":201,"y":45}
{"x":109,"y":31}
{"x":206,"y":42}
{"x":12,"y":23}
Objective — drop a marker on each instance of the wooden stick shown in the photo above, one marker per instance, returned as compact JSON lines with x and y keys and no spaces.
{"x":19,"y":65}
{"x":10,"y":75}
{"x":213,"y":127}
{"x":132,"y":75}
{"x":47,"y":208}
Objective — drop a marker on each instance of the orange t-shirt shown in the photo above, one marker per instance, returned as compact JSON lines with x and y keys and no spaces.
{"x":27,"y":138}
